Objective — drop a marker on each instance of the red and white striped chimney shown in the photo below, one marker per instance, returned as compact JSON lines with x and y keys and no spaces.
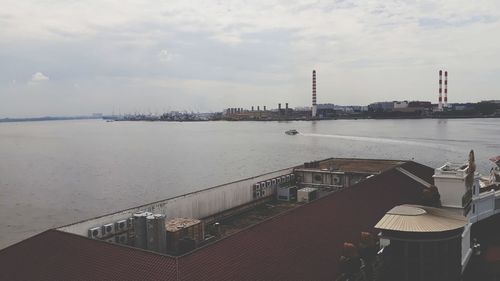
{"x":446,"y":89}
{"x":440,"y":105}
{"x":314,"y":106}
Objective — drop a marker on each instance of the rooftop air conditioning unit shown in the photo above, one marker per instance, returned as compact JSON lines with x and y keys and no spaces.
{"x":269,"y":183}
{"x":108,"y":229}
{"x":292,"y":177}
{"x":263,"y":193}
{"x":278,"y":180}
{"x":273,"y":182}
{"x":283,"y":179}
{"x":121,"y":225}
{"x":257,"y":187}
{"x":122,"y":238}
{"x":287,"y":178}
{"x":95,"y":232}
{"x":258,"y":194}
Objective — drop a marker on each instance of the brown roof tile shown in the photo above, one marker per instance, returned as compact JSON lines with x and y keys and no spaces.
{"x":55,"y":255}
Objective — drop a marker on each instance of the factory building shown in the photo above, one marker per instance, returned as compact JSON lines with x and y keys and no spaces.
{"x":381,"y":106}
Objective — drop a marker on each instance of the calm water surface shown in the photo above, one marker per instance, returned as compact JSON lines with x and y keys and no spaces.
{"x":55,"y":173}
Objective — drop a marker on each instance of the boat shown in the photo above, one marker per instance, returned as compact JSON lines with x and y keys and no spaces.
{"x":291,"y":132}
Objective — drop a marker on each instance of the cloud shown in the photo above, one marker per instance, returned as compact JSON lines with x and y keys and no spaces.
{"x":39,"y":77}
{"x":165,"y":56}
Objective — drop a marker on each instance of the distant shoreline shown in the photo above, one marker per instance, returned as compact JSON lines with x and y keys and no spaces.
{"x":36,"y":119}
{"x":47,"y":118}
{"x":318,"y":119}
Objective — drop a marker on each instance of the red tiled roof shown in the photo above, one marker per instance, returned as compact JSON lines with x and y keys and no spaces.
{"x":55,"y":255}
{"x":302,"y":244}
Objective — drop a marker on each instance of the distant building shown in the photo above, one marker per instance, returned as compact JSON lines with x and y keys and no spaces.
{"x":400,"y":104}
{"x":381,"y":106}
{"x":420,"y":104}
{"x":462,"y":106}
{"x":326,"y":110}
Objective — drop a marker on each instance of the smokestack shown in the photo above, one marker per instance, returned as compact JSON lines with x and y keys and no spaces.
{"x":264,"y":108}
{"x":258,"y":108}
{"x":440,"y":105}
{"x":252,"y":107}
{"x":314,"y":107}
{"x":286,"y":106}
{"x":446,"y":89}
{"x":279,"y":106}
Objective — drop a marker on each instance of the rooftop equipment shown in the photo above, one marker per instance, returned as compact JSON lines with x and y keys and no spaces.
{"x":121,"y":239}
{"x":121,"y":225}
{"x":307,"y":194}
{"x":179,"y":233}
{"x":108,"y":229}
{"x":95,"y":232}
{"x":156,"y":233}
{"x":140,"y":240}
{"x":286,"y":193}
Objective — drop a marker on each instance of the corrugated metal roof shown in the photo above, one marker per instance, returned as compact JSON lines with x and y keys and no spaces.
{"x":176,"y":224}
{"x":415,"y":218}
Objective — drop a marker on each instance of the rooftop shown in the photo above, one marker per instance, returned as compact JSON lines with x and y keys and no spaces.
{"x":301,"y":243}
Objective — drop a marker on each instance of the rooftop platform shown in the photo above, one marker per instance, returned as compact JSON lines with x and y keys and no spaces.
{"x":352,"y":165}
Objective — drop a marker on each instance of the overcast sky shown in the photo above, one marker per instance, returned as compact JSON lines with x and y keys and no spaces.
{"x":79,"y":57}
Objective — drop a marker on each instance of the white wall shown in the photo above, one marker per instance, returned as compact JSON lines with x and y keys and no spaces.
{"x":484,"y":205}
{"x":197,"y":205}
{"x":451,"y":190}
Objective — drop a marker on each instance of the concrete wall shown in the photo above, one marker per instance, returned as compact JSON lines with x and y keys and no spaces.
{"x":197,"y":205}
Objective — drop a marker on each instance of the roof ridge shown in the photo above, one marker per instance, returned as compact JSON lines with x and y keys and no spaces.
{"x":413,"y":176}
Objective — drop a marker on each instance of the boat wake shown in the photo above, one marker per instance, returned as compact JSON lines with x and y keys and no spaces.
{"x":378,"y":140}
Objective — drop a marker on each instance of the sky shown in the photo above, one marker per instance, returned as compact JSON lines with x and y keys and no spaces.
{"x":81,"y":57}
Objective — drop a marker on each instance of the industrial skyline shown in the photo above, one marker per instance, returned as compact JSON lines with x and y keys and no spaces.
{"x":70,"y":58}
